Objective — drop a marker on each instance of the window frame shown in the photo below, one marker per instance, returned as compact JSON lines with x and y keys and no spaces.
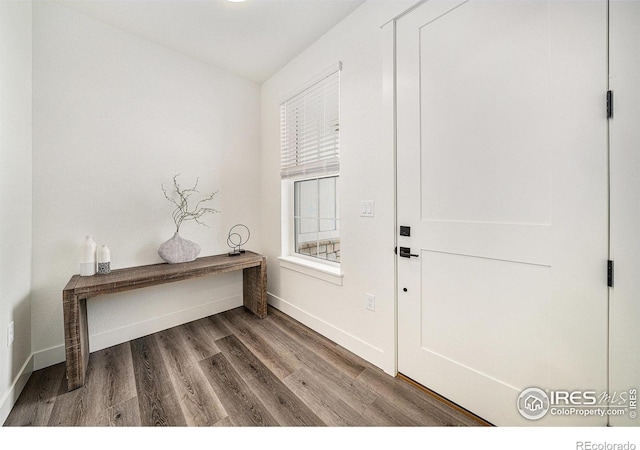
{"x":318,"y":268}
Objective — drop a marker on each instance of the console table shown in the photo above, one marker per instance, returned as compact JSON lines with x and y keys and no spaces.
{"x":79,"y":289}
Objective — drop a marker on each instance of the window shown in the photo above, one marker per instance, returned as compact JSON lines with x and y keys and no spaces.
{"x":317,"y":229}
{"x":310,"y":166}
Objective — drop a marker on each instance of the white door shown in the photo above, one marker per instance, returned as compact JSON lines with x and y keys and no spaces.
{"x":625,"y":204}
{"x":502,"y":177}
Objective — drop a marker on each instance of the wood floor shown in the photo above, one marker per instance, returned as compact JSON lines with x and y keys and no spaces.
{"x":231,"y":369}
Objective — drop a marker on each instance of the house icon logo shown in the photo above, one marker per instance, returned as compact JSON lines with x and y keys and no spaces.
{"x":533,"y":403}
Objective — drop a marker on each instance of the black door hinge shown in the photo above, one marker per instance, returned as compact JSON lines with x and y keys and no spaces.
{"x":609,"y":104}
{"x":610,"y":273}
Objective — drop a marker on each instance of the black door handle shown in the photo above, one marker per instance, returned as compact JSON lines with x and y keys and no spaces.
{"x":405,"y":252}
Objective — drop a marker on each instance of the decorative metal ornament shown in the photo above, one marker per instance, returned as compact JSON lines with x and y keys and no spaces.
{"x":238,"y":236}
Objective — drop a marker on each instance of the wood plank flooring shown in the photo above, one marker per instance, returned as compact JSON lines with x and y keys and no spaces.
{"x":231,"y":369}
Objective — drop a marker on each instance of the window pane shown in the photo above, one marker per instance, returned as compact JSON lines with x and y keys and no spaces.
{"x":329,"y":227}
{"x":306,"y":200}
{"x":327,"y":198}
{"x":316,"y":218}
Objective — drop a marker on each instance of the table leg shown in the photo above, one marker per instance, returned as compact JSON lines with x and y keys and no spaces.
{"x":76,"y":340}
{"x":254,"y":289}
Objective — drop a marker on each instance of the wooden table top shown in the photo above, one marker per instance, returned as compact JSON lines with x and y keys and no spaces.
{"x":143,"y":276}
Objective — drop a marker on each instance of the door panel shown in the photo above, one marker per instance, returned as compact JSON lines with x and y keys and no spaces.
{"x":483,"y":307}
{"x":496,"y":184}
{"x":502,"y":175}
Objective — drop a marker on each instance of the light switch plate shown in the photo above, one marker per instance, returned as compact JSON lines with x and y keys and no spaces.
{"x":367,"y":208}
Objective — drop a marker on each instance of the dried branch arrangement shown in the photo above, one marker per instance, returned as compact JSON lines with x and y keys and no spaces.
{"x":183,"y":211}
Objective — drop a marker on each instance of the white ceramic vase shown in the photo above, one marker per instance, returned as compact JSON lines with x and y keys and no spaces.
{"x":88,"y":257}
{"x":178,"y":250}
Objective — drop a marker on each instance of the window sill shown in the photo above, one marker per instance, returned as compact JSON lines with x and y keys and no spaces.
{"x":313,"y":269}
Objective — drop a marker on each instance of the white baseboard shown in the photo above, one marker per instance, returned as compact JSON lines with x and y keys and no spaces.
{"x":352,"y":343}
{"x":55,"y":355}
{"x":9,"y":399}
{"x":48,"y":357}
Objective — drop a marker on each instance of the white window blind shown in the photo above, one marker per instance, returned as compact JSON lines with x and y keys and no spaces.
{"x":310,"y":130}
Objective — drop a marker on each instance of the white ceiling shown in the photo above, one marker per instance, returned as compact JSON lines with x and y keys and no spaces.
{"x":253,"y":39}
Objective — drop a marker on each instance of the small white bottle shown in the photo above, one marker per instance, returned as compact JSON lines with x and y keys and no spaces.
{"x":88,"y":257}
{"x":104,"y":260}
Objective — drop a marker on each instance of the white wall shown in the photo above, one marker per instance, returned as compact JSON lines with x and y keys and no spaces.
{"x":15,"y":198}
{"x":366,"y":173}
{"x":114,"y":117}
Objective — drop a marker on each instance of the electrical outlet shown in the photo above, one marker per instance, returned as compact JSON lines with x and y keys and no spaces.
{"x":10,"y":334}
{"x":370,"y":302}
